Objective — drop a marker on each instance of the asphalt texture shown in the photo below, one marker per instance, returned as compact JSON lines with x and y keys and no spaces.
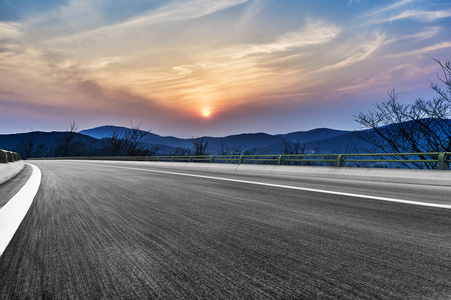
{"x":9,"y":188}
{"x":110,"y":231}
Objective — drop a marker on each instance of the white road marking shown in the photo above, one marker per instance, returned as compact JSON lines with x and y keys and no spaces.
{"x":419,"y":203}
{"x":13,"y":212}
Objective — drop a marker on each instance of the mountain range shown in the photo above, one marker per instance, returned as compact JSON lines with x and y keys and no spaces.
{"x":329,"y":140}
{"x":324,"y":140}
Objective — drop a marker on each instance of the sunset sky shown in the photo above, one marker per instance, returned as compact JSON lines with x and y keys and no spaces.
{"x":213,"y":67}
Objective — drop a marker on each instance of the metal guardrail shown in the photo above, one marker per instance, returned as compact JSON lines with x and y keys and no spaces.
{"x":440,"y":160}
{"x":9,"y":156}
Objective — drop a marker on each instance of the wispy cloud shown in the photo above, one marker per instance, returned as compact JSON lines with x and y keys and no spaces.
{"x":424,"y":50}
{"x":428,"y":33}
{"x":312,"y":34}
{"x":174,"y":11}
{"x":352,"y":1}
{"x":390,"y":7}
{"x":182,"y":11}
{"x":406,"y":9}
{"x":9,"y":30}
{"x":358,"y":52}
{"x":421,"y":15}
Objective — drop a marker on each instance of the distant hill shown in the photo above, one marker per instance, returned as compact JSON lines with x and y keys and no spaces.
{"x":325,"y":139}
{"x":45,"y":141}
{"x":255,"y":142}
{"x":151,"y":138}
{"x":313,"y":135}
{"x":245,"y":140}
{"x":93,"y":142}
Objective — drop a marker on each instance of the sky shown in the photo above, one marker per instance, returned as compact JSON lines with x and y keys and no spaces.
{"x":214,"y":67}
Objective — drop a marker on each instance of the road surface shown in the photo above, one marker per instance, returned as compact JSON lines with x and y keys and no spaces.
{"x":115,"y":230}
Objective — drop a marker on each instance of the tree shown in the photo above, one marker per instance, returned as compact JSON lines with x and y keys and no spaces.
{"x":67,"y":144}
{"x":181,"y":151}
{"x":28,"y":146}
{"x":230,"y":150}
{"x":292,"y":148}
{"x":422,"y":126}
{"x":200,"y":147}
{"x":130,"y":142}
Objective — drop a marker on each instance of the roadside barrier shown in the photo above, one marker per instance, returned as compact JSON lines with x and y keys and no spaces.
{"x":429,"y":160}
{"x":9,"y":156}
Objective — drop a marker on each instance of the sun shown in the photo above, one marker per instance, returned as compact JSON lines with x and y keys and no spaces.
{"x":206,"y":113}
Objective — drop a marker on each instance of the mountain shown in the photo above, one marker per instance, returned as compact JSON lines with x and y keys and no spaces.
{"x":257,"y":142}
{"x":43,"y":143}
{"x":313,"y":135}
{"x":246,"y":141}
{"x":150,"y":138}
{"x":325,"y":139}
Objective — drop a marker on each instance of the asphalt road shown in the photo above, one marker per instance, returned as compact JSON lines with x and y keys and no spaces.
{"x":116,"y":231}
{"x":9,"y":188}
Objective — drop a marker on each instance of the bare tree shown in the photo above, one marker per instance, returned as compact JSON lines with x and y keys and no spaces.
{"x":130,"y":142}
{"x":135,"y":142}
{"x":292,"y":148}
{"x":423,"y":126}
{"x":200,"y":146}
{"x":182,"y":151}
{"x":28,"y":147}
{"x":250,"y":151}
{"x":115,"y":144}
{"x":67,"y":143}
{"x":225,"y":149}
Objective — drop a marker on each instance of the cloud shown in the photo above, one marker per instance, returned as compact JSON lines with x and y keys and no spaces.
{"x":421,"y":15}
{"x":175,"y":11}
{"x":9,"y":30}
{"x":390,"y":7}
{"x":182,"y":11}
{"x":358,"y":52}
{"x":424,"y":50}
{"x":168,"y":58}
{"x":397,"y":12}
{"x":352,"y":1}
{"x":428,"y":33}
{"x":315,"y":32}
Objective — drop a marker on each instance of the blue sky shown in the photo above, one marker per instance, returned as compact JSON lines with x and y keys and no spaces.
{"x":250,"y":65}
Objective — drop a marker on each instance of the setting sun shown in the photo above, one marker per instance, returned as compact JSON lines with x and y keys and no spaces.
{"x":206,"y":113}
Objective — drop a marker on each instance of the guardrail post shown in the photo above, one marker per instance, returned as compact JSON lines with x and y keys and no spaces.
{"x":190,"y":159}
{"x":158,"y":158}
{"x":442,"y":163}
{"x":173,"y":158}
{"x":9,"y":156}
{"x":280,"y":160}
{"x":3,"y":157}
{"x":212,"y":159}
{"x":340,"y":160}
{"x":241,"y":161}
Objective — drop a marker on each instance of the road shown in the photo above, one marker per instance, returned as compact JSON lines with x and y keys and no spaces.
{"x":115,"y":230}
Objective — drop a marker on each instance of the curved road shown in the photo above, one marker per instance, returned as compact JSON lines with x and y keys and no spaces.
{"x":115,"y":230}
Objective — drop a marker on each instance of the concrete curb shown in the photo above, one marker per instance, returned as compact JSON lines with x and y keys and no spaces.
{"x":419,"y":177}
{"x":9,"y":170}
